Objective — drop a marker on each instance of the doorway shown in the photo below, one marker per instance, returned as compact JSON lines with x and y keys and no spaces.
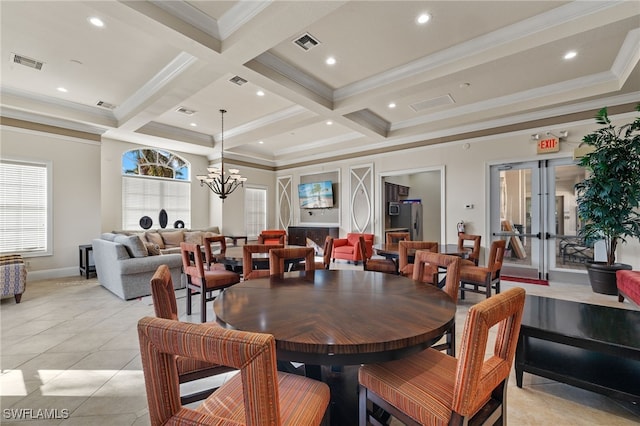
{"x":425,"y":185}
{"x":533,"y":207}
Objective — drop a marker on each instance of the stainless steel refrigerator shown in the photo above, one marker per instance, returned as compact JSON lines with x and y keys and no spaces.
{"x":409,"y":216}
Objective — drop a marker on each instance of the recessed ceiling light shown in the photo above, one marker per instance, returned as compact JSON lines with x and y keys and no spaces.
{"x":260,"y":93}
{"x":423,"y":19}
{"x":331,"y":60}
{"x":260,"y":142}
{"x":392,"y":105}
{"x":570,"y":54}
{"x":329,"y":122}
{"x":62,"y":89}
{"x":96,"y":22}
{"x":193,"y":124}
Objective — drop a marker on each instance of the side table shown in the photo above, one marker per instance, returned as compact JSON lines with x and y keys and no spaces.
{"x":235,"y":238}
{"x":87,"y":267}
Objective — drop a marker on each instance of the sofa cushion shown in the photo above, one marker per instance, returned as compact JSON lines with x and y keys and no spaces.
{"x":155,"y":238}
{"x":172,"y":238}
{"x":108,"y":236}
{"x":152,"y":249}
{"x":193,"y":237}
{"x":134,"y":245}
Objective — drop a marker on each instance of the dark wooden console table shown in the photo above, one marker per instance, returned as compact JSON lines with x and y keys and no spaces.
{"x":589,"y":346}
{"x":297,"y":235}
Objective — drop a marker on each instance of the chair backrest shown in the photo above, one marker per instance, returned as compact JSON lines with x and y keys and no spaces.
{"x":496,"y":257}
{"x":277,"y":257}
{"x":476,"y":377}
{"x":248,"y":250}
{"x":253,"y":353}
{"x":396,"y":237}
{"x":463,"y":242}
{"x":272,"y":236}
{"x":405,"y":246}
{"x":433,"y":261}
{"x":208,"y":253}
{"x":163,"y":294}
{"x":327,"y":249}
{"x":192,"y":263}
{"x":362,"y":246}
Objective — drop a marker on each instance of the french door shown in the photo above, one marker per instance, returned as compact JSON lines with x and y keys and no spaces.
{"x":533,"y":207}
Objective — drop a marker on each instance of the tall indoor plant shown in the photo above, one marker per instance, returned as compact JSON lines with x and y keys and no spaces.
{"x":609,"y":197}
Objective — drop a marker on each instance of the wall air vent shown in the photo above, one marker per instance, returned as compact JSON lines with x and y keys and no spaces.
{"x":106,"y":105}
{"x":27,"y":62}
{"x":186,"y":111}
{"x":238,"y":80}
{"x":432,"y":103}
{"x":306,"y":41}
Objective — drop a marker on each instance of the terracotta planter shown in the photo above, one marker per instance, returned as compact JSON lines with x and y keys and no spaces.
{"x":603,"y":277}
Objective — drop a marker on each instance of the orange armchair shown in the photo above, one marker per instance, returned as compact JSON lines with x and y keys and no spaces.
{"x":349,"y":248}
{"x":272,"y":236}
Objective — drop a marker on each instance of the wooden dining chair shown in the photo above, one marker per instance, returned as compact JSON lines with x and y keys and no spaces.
{"x":431,"y":387}
{"x":165,"y":306}
{"x":468,"y":241}
{"x":272,"y":237}
{"x":388,"y":266}
{"x":478,"y":279}
{"x":211,"y":261}
{"x":258,"y":395}
{"x":199,"y":280}
{"x":279,"y":256}
{"x":434,"y":262}
{"x":326,"y":253}
{"x":405,"y":268}
{"x":396,"y":237}
{"x":249,"y":272}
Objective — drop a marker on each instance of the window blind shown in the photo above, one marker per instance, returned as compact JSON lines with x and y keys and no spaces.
{"x":23,"y":207}
{"x":146,"y":196}
{"x":255,"y":205}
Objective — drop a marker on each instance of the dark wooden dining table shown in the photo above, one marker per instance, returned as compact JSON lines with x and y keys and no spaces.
{"x":392,"y":251}
{"x":335,"y":320}
{"x":232,"y":258}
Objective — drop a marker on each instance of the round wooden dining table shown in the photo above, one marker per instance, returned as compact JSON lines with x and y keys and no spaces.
{"x":335,"y":318}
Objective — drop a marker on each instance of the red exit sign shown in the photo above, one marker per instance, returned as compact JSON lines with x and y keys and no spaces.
{"x":548,"y":145}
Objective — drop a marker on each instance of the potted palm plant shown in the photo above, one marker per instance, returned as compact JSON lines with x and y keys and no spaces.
{"x":609,"y":197}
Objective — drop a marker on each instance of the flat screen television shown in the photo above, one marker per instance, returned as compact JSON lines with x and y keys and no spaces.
{"x":315,"y":195}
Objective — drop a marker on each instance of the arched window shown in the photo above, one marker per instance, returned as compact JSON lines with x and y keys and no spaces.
{"x":154,"y":180}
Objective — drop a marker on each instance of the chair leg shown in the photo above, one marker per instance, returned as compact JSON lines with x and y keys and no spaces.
{"x":203,"y":305}
{"x":18,"y":297}
{"x":188,"y":300}
{"x":451,"y":341}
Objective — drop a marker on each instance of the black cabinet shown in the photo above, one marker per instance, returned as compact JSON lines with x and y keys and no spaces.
{"x":297,"y":235}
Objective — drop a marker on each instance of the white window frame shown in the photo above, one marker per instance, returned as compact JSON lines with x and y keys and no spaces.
{"x":253,"y":234}
{"x":7,"y":227}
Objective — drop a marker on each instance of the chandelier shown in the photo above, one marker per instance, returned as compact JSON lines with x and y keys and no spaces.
{"x":217,"y":179}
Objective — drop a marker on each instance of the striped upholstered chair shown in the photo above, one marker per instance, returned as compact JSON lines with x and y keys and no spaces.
{"x":326,"y":253}
{"x":13,"y":276}
{"x":278,"y":258}
{"x":249,"y":272}
{"x":429,"y":261}
{"x":404,"y":267}
{"x":257,"y":395}
{"x":387,"y":266}
{"x":165,"y":306}
{"x":431,"y":387}
{"x":480,"y":279}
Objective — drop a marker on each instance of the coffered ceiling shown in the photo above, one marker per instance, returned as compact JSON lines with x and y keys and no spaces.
{"x":473,"y":67}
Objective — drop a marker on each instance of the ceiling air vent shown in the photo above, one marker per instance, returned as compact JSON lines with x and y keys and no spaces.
{"x":27,"y":62}
{"x":106,"y":105}
{"x":238,"y":80}
{"x":186,"y":111}
{"x":306,"y":41}
{"x":432,"y":103}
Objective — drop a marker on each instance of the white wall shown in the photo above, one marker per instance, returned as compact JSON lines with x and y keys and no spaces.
{"x":76,"y":193}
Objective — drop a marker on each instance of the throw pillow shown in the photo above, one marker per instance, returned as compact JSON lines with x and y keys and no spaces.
{"x":155,"y":238}
{"x":194,"y":237}
{"x":153,"y":249}
{"x":108,"y":236}
{"x":173,"y":238}
{"x":134,"y":245}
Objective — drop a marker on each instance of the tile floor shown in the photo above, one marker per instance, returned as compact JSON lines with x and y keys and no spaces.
{"x":70,"y":351}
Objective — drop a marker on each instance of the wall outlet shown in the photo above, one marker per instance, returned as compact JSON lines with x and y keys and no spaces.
{"x":468,"y":206}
